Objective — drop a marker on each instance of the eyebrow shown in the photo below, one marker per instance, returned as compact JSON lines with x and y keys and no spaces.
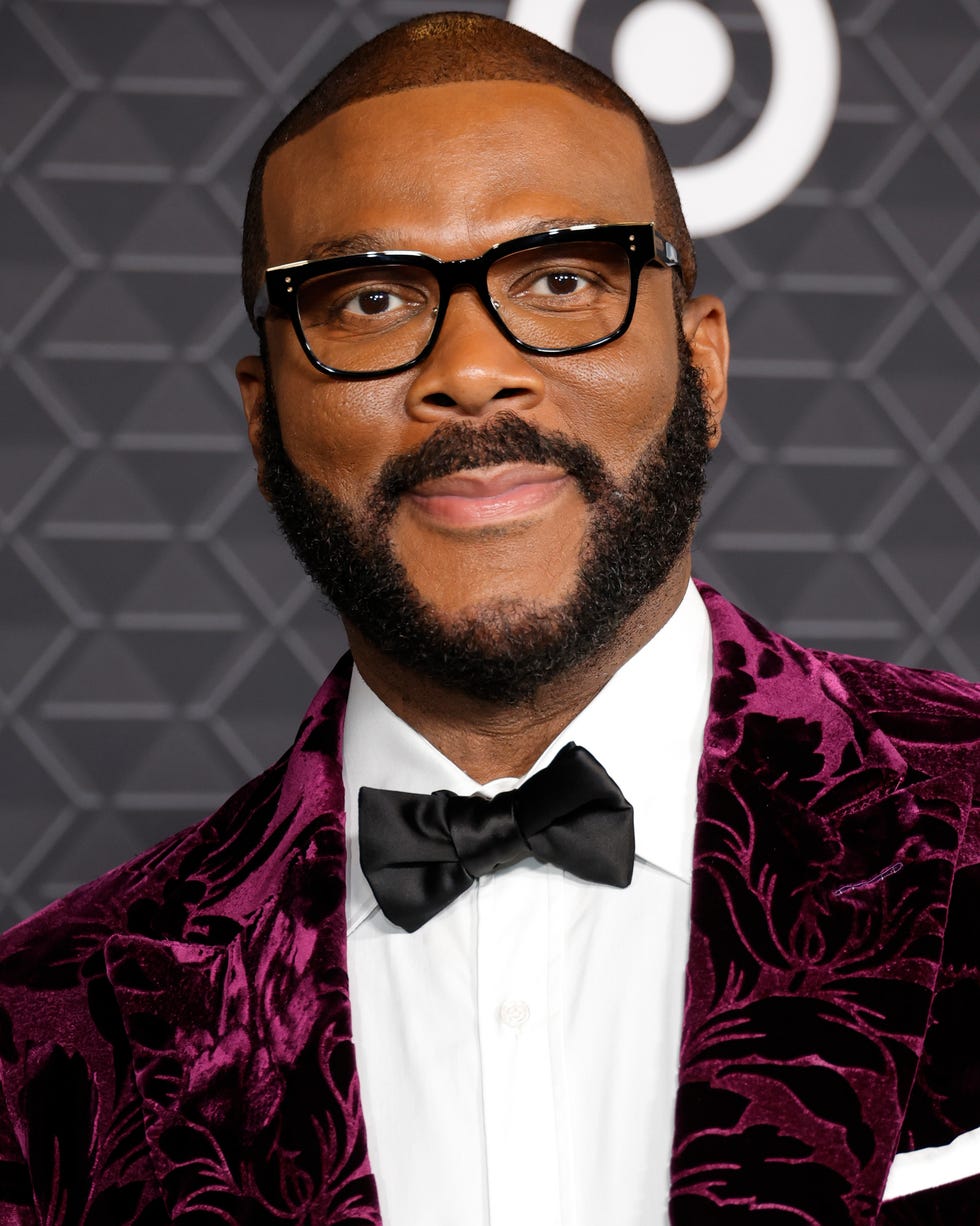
{"x":363,"y":241}
{"x":349,"y":244}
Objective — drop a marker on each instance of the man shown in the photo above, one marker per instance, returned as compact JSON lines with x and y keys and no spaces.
{"x":481,"y":411}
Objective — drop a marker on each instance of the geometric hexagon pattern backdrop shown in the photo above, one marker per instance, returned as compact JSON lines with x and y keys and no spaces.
{"x":158,"y":642}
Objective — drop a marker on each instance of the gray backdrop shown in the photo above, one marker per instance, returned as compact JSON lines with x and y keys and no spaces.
{"x":159,"y":644}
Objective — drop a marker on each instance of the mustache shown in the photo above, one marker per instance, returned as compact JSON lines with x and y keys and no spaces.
{"x":507,"y":439}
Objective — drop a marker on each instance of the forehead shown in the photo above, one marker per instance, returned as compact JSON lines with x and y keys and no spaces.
{"x":452,"y":168}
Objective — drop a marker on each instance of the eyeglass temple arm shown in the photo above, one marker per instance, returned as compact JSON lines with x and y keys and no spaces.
{"x":260,"y":307}
{"x":664,"y":250}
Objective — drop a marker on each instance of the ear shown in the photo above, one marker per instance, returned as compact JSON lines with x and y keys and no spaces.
{"x":250,"y":374}
{"x":706,"y":329}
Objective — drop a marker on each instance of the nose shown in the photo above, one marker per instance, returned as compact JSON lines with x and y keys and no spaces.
{"x":473,"y":370}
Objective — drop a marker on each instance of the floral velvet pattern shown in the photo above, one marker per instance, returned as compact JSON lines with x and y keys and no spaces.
{"x":175,"y":1038}
{"x":836,"y":810}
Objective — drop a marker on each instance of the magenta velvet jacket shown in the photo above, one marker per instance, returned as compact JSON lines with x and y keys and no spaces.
{"x":175,"y":1038}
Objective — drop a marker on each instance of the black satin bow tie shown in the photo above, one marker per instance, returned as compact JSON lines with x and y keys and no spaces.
{"x":420,"y":852}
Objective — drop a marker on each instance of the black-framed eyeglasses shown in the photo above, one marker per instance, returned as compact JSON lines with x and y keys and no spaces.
{"x":559,"y":292}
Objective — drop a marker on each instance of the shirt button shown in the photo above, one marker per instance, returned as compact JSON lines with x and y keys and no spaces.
{"x":514,"y":1013}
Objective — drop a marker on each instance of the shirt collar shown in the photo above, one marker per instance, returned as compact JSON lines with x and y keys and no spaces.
{"x":646,"y":727}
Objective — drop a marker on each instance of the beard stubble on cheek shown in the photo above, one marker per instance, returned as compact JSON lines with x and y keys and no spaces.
{"x":503,"y":651}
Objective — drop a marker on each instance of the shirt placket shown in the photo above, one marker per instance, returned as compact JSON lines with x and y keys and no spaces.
{"x":516,"y":947}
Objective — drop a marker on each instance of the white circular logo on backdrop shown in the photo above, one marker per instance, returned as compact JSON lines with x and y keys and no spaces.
{"x":674,"y":57}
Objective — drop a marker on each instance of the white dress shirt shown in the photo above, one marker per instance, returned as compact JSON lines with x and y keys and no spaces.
{"x":518,"y":1054}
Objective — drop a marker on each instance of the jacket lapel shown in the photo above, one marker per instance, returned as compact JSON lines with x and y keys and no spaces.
{"x":242,"y":1047}
{"x":822,"y":870}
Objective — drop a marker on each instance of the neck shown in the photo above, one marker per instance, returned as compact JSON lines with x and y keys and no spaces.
{"x":490,"y":740}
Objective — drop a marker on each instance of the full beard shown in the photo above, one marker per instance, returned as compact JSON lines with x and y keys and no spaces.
{"x":504,"y":652}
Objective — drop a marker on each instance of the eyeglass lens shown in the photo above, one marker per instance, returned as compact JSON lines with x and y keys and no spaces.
{"x":551,"y":297}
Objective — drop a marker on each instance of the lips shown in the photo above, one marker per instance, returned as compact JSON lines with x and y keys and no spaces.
{"x":489,"y":495}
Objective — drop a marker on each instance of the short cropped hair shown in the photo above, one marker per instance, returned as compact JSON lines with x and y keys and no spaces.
{"x":448,"y":48}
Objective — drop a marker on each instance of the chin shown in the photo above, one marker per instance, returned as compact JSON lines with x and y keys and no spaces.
{"x":493,"y":607}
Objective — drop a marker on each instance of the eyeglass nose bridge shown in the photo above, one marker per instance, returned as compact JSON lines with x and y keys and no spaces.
{"x":472,"y":273}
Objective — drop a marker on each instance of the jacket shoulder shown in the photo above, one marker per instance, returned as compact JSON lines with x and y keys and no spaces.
{"x":877,"y":685}
{"x":175,"y":889}
{"x":900,"y":684}
{"x":932,"y":718}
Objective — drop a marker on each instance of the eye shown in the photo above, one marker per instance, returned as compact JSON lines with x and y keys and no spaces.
{"x":374,"y":302}
{"x":356,"y":303}
{"x":560,"y":281}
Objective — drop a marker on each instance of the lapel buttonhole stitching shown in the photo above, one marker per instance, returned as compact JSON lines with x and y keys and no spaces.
{"x":890,"y":871}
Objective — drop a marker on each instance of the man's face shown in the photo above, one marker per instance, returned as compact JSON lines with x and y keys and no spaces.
{"x":451,"y":170}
